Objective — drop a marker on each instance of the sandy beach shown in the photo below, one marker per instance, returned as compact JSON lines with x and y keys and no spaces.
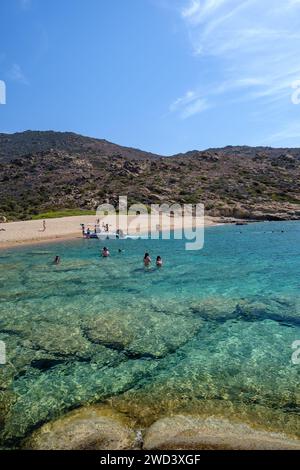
{"x":32,"y":231}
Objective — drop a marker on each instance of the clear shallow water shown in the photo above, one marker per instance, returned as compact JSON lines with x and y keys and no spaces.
{"x":209,"y":333}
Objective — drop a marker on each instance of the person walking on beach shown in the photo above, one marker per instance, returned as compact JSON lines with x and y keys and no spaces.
{"x":105,"y":252}
{"x":159,"y":262}
{"x":147,"y":260}
{"x":44,"y":225}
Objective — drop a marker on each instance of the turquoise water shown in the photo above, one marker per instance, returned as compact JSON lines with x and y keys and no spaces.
{"x":209,"y":333}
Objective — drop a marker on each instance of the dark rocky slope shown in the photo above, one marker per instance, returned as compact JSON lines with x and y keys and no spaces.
{"x":42,"y":171}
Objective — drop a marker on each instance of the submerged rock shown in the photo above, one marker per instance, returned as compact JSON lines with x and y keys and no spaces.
{"x":214,"y":308}
{"x":57,"y":338}
{"x":188,"y":432}
{"x":246,"y":363}
{"x":150,"y":334}
{"x":88,"y":428}
{"x":279,"y":309}
{"x":46,"y":396}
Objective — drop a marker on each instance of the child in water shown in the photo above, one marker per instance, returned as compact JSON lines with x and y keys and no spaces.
{"x":105,"y":252}
{"x":147,"y":260}
{"x":159,"y":262}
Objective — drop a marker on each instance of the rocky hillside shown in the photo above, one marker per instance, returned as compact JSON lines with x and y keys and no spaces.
{"x":42,"y":171}
{"x":22,"y":143}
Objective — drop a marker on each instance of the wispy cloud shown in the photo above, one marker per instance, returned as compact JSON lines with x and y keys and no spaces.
{"x":189,"y":105}
{"x":253,"y":45}
{"x":288,"y":132}
{"x":17,"y":75}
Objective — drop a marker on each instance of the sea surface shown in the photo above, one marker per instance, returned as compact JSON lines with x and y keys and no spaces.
{"x":210,"y":333}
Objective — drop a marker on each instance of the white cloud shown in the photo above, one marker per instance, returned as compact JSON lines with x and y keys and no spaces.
{"x":249,"y":48}
{"x":184,"y":100}
{"x":16,"y":74}
{"x":196,"y":107}
{"x":189,"y":104}
{"x":192,"y":9}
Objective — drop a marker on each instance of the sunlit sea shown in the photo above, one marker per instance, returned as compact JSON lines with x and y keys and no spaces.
{"x":209,"y":333}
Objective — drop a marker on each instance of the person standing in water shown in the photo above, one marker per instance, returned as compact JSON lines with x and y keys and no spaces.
{"x":147,"y":260}
{"x":105,"y":252}
{"x":159,"y":262}
{"x":56,"y":260}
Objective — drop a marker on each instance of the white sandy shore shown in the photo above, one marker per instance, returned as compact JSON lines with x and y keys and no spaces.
{"x":31,"y":231}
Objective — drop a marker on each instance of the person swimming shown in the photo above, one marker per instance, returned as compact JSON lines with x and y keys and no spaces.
{"x":159,"y":262}
{"x":105,"y":252}
{"x":147,"y":260}
{"x":56,"y":260}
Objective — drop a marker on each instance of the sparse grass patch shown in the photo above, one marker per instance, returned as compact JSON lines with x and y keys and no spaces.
{"x":62,"y":213}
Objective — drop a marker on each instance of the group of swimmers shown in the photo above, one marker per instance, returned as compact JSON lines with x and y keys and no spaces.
{"x":105,"y":254}
{"x":147,"y":260}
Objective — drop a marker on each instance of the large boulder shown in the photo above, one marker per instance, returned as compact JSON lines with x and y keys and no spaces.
{"x":88,"y":428}
{"x":189,"y":432}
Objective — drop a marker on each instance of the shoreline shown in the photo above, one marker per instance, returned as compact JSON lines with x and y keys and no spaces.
{"x":30,"y":232}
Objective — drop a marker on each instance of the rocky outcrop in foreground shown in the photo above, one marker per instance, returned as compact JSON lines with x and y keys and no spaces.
{"x":101,"y":428}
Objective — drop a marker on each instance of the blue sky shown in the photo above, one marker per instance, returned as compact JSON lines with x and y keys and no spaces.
{"x":163,"y":75}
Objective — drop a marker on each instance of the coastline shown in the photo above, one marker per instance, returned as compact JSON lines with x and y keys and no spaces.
{"x":30,"y":232}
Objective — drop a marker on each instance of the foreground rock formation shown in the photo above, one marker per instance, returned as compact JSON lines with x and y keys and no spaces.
{"x":101,"y":428}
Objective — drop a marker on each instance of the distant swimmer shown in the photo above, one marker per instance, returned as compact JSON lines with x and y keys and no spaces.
{"x":56,"y":260}
{"x":105,"y":252}
{"x":147,"y":260}
{"x":159,"y":262}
